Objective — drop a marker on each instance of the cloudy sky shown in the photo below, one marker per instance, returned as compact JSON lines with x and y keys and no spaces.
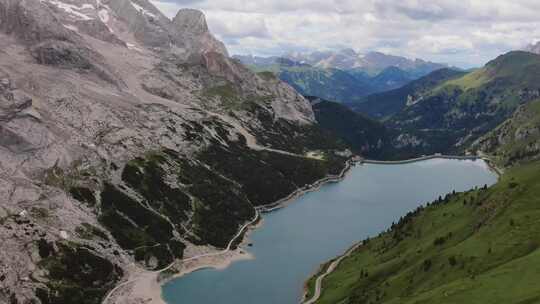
{"x":465,"y":33}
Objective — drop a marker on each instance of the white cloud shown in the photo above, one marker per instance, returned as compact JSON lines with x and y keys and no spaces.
{"x":468,"y":32}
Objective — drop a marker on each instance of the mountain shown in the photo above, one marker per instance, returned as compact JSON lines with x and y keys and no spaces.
{"x":385,"y":104}
{"x":330,"y":84}
{"x":340,"y":79}
{"x":364,"y":135}
{"x":453,"y":114}
{"x":516,"y":140}
{"x":129,"y":140}
{"x":371,"y":63}
{"x":392,"y":77}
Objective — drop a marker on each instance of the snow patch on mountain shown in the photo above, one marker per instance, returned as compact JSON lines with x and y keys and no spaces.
{"x":71,"y":9}
{"x":104,"y":15}
{"x":71,"y":27}
{"x":142,"y":10}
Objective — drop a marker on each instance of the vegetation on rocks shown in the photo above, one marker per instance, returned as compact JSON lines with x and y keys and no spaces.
{"x":266,"y":176}
{"x":517,"y":139}
{"x":451,"y":116}
{"x":76,"y":274}
{"x":294,"y":138}
{"x":83,"y":194}
{"x":367,"y":137}
{"x":147,"y":177}
{"x":220,"y":206}
{"x":204,"y":199}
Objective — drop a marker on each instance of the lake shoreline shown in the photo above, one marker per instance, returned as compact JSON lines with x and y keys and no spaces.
{"x":147,"y":285}
{"x":239,"y":254}
{"x":329,"y":266}
{"x":284,"y":202}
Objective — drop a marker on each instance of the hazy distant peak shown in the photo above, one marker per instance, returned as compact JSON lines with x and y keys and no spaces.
{"x":372,"y":62}
{"x":348,"y":52}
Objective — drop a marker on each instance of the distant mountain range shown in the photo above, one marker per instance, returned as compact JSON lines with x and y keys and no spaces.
{"x":342,"y":76}
{"x":371,"y":63}
{"x":384,"y":104}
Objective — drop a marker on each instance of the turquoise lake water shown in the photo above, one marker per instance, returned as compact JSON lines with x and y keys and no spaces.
{"x":321,"y":225}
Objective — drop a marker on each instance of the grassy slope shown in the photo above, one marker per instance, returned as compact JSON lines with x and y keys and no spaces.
{"x":499,"y":82}
{"x":521,"y":64}
{"x":491,"y":255}
{"x":456,"y":113}
{"x":385,"y":104}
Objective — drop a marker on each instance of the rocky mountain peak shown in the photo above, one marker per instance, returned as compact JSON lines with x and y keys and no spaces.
{"x":348,"y":52}
{"x":191,"y":21}
{"x":191,"y":30}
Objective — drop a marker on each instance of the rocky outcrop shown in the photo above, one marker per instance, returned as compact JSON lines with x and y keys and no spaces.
{"x":68,"y":55}
{"x":147,"y":24}
{"x":192,"y":25}
{"x":31,"y":22}
{"x":516,"y":140}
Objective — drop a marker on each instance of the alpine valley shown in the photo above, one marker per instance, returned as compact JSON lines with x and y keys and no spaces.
{"x":478,"y":246}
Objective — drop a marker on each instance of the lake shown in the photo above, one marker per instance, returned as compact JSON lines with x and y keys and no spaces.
{"x":321,"y":225}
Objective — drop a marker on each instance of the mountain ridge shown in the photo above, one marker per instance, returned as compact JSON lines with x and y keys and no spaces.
{"x":342,"y":82}
{"x":371,"y":63}
{"x":447,"y":111}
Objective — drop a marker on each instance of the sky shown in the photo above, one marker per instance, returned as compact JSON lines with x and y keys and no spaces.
{"x":466,"y":33}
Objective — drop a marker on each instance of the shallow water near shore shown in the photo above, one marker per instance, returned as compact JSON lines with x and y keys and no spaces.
{"x":294,"y":241}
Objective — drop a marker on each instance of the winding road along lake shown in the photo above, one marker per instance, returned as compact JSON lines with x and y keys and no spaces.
{"x":321,"y":225}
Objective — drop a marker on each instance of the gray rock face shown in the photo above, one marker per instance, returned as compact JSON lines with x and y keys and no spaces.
{"x":147,"y":24}
{"x":516,"y":140}
{"x":89,"y":85}
{"x":191,"y":21}
{"x":32,"y":22}
{"x":192,"y":24}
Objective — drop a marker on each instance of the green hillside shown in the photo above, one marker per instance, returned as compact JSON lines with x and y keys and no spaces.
{"x":385,"y":104}
{"x":463,"y":109}
{"x":519,"y":68}
{"x":481,"y":247}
